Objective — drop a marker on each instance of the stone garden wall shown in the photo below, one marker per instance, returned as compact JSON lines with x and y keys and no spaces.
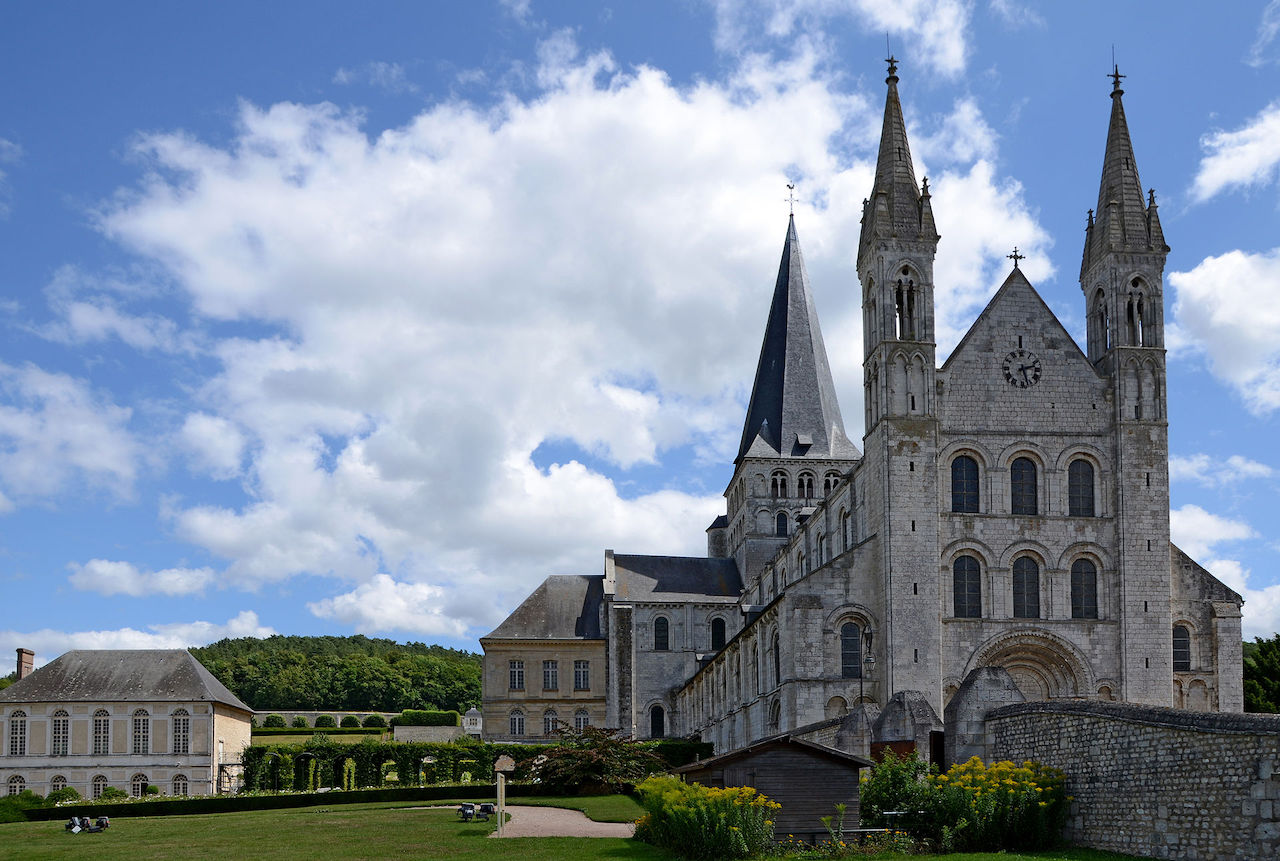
{"x":1159,"y":782}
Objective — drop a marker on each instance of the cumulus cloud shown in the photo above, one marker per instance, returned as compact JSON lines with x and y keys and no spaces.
{"x":1228,"y":309}
{"x":938,"y":28}
{"x":123,"y":578}
{"x":1215,"y":472}
{"x":92,"y":309}
{"x":377,"y":73}
{"x":384,"y":604}
{"x":431,"y":306}
{"x":55,"y":432}
{"x":1197,"y":531}
{"x":49,"y":643}
{"x":1246,"y":157}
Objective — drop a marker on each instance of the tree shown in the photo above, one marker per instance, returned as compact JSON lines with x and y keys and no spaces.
{"x":595,"y":760}
{"x":1262,"y":676}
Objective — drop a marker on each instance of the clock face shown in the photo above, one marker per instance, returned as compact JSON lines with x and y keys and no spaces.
{"x":1022,"y":368}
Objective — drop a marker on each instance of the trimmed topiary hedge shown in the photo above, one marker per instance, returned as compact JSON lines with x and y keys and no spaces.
{"x":289,"y":730}
{"x":422,"y":717}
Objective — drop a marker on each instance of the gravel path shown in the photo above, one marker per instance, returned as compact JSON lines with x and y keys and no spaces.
{"x":558,"y":822}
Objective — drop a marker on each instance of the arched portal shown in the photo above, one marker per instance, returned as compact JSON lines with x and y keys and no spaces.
{"x":1044,"y":666}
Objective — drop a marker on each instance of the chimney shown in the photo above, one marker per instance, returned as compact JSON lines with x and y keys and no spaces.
{"x":26,"y":658}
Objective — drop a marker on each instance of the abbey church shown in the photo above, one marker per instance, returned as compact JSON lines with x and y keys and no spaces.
{"x":1007,"y":509}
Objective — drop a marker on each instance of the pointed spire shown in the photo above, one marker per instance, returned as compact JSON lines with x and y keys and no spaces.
{"x":895,"y":207}
{"x":793,"y":409}
{"x":1121,"y":219}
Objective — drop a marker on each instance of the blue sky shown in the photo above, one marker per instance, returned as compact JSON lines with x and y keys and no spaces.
{"x":326,"y":319}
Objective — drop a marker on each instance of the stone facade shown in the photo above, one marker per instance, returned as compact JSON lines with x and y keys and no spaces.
{"x":1157,"y":782}
{"x":1010,"y":508}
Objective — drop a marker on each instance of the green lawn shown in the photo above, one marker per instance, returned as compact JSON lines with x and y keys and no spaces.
{"x":365,"y":831}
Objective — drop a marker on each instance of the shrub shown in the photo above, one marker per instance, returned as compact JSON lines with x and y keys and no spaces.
{"x":696,"y":822}
{"x":66,"y":793}
{"x":899,"y":784}
{"x":273,"y":720}
{"x":326,"y":721}
{"x":150,"y":789}
{"x":594,"y":760}
{"x":112,"y":793}
{"x":300,"y":722}
{"x":349,"y":721}
{"x":422,"y":717}
{"x":375,"y":721}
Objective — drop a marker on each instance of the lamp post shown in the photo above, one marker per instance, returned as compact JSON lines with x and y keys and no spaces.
{"x":868,"y":660}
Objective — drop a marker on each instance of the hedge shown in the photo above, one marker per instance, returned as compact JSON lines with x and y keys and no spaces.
{"x":422,"y":717}
{"x":342,"y":730}
{"x":239,"y":803}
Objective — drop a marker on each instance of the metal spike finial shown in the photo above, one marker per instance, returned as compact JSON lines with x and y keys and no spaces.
{"x":1015,"y":257}
{"x":1115,"y":77}
{"x":893,"y":67}
{"x":791,"y":198}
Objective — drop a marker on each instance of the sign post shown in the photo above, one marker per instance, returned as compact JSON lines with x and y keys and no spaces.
{"x":502,"y":766}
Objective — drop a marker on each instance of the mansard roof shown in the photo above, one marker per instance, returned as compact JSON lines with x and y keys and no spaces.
{"x":676,"y":578}
{"x":116,"y":675}
{"x":793,"y":410}
{"x":563,"y":607}
{"x":1125,"y":220}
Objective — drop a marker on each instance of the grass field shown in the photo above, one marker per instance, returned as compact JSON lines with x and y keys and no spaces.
{"x":364,"y":831}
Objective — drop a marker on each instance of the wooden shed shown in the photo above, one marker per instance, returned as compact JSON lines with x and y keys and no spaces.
{"x":806,"y":778}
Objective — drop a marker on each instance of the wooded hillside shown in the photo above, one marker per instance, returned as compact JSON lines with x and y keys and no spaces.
{"x":344,"y":673}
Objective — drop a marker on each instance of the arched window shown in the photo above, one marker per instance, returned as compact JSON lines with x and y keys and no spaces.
{"x":141,"y":732}
{"x":775,"y":716}
{"x":181,"y":786}
{"x":138,"y":785}
{"x":17,"y":783}
{"x":782,"y":524}
{"x":101,"y":732}
{"x":1181,"y":649}
{"x":98,"y":784}
{"x":1022,"y":484}
{"x":774,"y":583}
{"x":829,"y":482}
{"x":181,"y":731}
{"x":1080,"y":488}
{"x":550,"y":722}
{"x":966,"y":588}
{"x":717,"y":633}
{"x":1026,"y":588}
{"x":661,"y":634}
{"x":778,"y":485}
{"x":59,"y":732}
{"x":777,"y":661}
{"x":57,"y":782}
{"x":18,"y":733}
{"x":515,"y":722}
{"x":850,"y":651}
{"x":805,"y":485}
{"x":964,"y":485}
{"x":657,"y":722}
{"x":581,"y":719}
{"x":1084,"y":590}
{"x":846,"y":537}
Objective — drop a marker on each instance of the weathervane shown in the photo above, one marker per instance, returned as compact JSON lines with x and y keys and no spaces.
{"x":1015,"y":257}
{"x":1115,"y":77}
{"x":791,"y":198}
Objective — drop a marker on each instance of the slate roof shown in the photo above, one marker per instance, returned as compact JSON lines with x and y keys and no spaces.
{"x":793,"y":410}
{"x":676,"y":578}
{"x":563,"y":607}
{"x":1123,"y":220}
{"x":115,"y":675}
{"x":780,"y":740}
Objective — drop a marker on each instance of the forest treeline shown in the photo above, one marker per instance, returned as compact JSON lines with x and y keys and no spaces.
{"x":355,"y":673}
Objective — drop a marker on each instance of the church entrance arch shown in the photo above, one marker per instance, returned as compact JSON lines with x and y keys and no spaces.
{"x":1044,"y":666}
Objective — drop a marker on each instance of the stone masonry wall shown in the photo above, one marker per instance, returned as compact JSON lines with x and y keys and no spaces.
{"x":1154,"y":781}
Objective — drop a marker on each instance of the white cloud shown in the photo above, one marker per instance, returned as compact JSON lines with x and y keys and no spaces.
{"x":9,"y":152}
{"x":216,"y":446}
{"x":1244,"y":157}
{"x":91,"y":309}
{"x":961,"y":136}
{"x":1261,"y":613}
{"x":383,"y":604}
{"x":1017,"y":15}
{"x":123,"y":578}
{"x":49,"y":643}
{"x":933,"y":33}
{"x":55,"y":432}
{"x":1213,"y":472}
{"x":1197,"y":531}
{"x":1228,"y":308}
{"x":1268,"y":29}
{"x":447,"y":297}
{"x":385,"y":76}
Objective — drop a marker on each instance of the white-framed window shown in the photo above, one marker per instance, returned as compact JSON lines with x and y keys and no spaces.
{"x":516,"y":672}
{"x":141,"y":732}
{"x":18,"y":734}
{"x":515,"y":723}
{"x":581,"y":719}
{"x":60,"y":732}
{"x":582,"y":675}
{"x":98,"y":784}
{"x":180,"y":785}
{"x":550,"y":722}
{"x":57,"y":782}
{"x":101,"y":733}
{"x":138,"y":785}
{"x":181,"y":732}
{"x":17,"y":783}
{"x":550,"y":675}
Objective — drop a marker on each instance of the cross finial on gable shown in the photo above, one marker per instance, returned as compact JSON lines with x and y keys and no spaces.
{"x":1115,"y":77}
{"x":893,"y":66}
{"x":1015,"y":257}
